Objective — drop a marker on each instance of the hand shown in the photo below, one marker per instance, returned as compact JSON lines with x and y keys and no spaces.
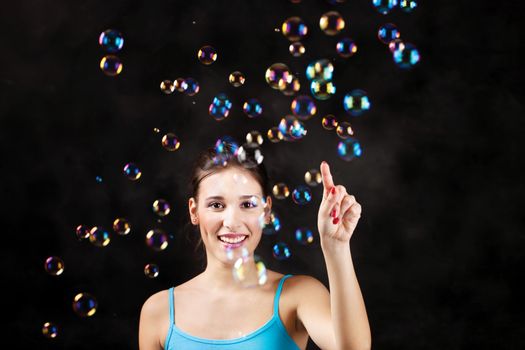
{"x":339,"y":212}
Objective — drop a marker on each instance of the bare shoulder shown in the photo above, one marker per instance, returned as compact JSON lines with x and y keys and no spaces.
{"x":156,"y":303}
{"x":304,"y":283}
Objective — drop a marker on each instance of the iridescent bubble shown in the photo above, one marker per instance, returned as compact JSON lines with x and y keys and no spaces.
{"x":111,"y":65}
{"x":322,"y":89}
{"x":111,"y":40}
{"x":329,"y":122}
{"x":294,"y":29}
{"x":170,"y":142}
{"x":82,"y":232}
{"x":331,"y":23}
{"x":84,"y":305}
{"x":348,"y":149}
{"x":161,"y":207}
{"x":356,"y":102}
{"x":54,"y":266}
{"x":320,"y":69}
{"x":384,"y":6}
{"x":156,"y":130}
{"x":132,"y":171}
{"x":274,"y":134}
{"x":225,"y":148}
{"x":290,"y":89}
{"x":98,"y":179}
{"x":346,"y":47}
{"x":304,"y":236}
{"x":396,"y":44}
{"x":303,"y":107}
{"x":388,"y":32}
{"x":407,"y":5}
{"x":190,"y":86}
{"x":236,"y":79}
{"x":297,"y":49}
{"x":220,"y":107}
{"x":121,"y":226}
{"x":406,"y":56}
{"x":281,"y":251}
{"x":157,"y":239}
{"x":50,"y":330}
{"x":151,"y":270}
{"x":290,"y":127}
{"x":167,"y":86}
{"x":280,"y":190}
{"x":273,"y":226}
{"x":254,"y":136}
{"x":302,"y":195}
{"x":313,"y":177}
{"x":99,"y":236}
{"x":249,"y":271}
{"x":252,"y":108}
{"x":232,"y":254}
{"x":180,"y":85}
{"x":250,"y":155}
{"x":344,"y":130}
{"x":276,"y":73}
{"x":207,"y":55}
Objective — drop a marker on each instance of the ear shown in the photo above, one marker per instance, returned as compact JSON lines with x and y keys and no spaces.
{"x":268,"y":209}
{"x":192,"y":209}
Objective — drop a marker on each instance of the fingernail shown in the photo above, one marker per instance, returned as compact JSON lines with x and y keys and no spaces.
{"x":332,"y":213}
{"x":332,"y":190}
{"x":335,"y":221}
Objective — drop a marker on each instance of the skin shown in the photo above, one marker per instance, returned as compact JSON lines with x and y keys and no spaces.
{"x":213,"y":306}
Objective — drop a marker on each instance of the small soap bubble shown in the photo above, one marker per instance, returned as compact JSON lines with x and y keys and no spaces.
{"x":207,"y":55}
{"x":303,"y":107}
{"x":111,"y":40}
{"x":50,"y":330}
{"x":302,"y":195}
{"x":121,"y":226}
{"x":273,"y":226}
{"x":406,"y":56}
{"x":236,"y":79}
{"x":250,"y":155}
{"x":220,"y":107}
{"x":151,"y":270}
{"x":170,"y":142}
{"x":111,"y":65}
{"x":291,"y":128}
{"x":348,"y":149}
{"x":156,"y":130}
{"x":82,"y":232}
{"x":99,"y":236}
{"x":346,"y":47}
{"x":132,"y":171}
{"x":98,"y":179}
{"x":388,"y":32}
{"x":180,"y":85}
{"x":277,"y":75}
{"x":294,"y":28}
{"x":54,"y":266}
{"x":249,"y":271}
{"x":252,"y":108}
{"x":280,"y":190}
{"x":167,"y":86}
{"x":407,"y":5}
{"x":161,"y":207}
{"x":274,"y":134}
{"x":281,"y":251}
{"x":344,"y":130}
{"x":313,"y":177}
{"x":356,"y":102}
{"x":190,"y":86}
{"x":225,"y":148}
{"x":304,"y":236}
{"x":297,"y":49}
{"x":232,"y":254}
{"x":157,"y":239}
{"x":331,"y":23}
{"x":329,"y":122}
{"x":322,"y":89}
{"x":384,"y":6}
{"x":84,"y":305}
{"x":320,"y":69}
{"x":396,"y":44}
{"x":290,"y":89}
{"x":254,"y":136}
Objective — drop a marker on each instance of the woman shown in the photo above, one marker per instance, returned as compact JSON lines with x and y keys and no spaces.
{"x":211,"y":311}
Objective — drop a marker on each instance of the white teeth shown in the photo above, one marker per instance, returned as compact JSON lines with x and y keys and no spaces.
{"x":232,"y":240}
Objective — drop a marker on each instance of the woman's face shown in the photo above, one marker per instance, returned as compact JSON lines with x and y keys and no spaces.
{"x":230,"y":212}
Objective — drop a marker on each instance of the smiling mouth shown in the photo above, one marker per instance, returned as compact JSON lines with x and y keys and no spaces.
{"x":233,"y":241}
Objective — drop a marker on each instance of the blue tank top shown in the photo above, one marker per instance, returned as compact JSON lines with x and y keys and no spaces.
{"x":271,"y":335}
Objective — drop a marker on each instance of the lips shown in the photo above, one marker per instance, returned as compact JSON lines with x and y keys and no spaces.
{"x":232,"y":240}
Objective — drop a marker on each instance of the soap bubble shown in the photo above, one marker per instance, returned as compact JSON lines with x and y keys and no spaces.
{"x":280,"y":190}
{"x":294,"y":29}
{"x":250,"y":155}
{"x":331,"y":23}
{"x":356,"y":102}
{"x":54,"y":266}
{"x":297,"y":49}
{"x":407,"y":5}
{"x":407,"y":56}
{"x":252,"y":108}
{"x":302,"y":195}
{"x":151,"y":270}
{"x":157,"y":239}
{"x":322,"y":89}
{"x":290,"y":88}
{"x":320,"y":69}
{"x":304,"y":236}
{"x":303,"y":107}
{"x":167,"y":86}
{"x":344,"y":130}
{"x":180,"y":85}
{"x":281,"y":251}
{"x":132,"y":171}
{"x":82,"y":232}
{"x":161,"y":207}
{"x":99,"y":236}
{"x":225,"y":148}
{"x":348,"y":149}
{"x":388,"y":32}
{"x":111,"y":40}
{"x":274,"y":134}
{"x":254,"y":136}
{"x":249,"y":271}
{"x":236,"y":79}
{"x":207,"y":55}
{"x":384,"y":6}
{"x":313,"y":177}
{"x":276,"y":73}
{"x":329,"y":122}
{"x":84,"y":304}
{"x":111,"y":65}
{"x":273,"y":226}
{"x":290,"y":127}
{"x":346,"y":47}
{"x":121,"y":226}
{"x":396,"y":44}
{"x":170,"y":142}
{"x":190,"y":86}
{"x":220,"y":107}
{"x":50,"y":330}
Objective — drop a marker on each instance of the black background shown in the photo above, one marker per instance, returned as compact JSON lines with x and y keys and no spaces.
{"x":439,"y":249}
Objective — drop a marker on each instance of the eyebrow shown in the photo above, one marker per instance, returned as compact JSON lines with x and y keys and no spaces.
{"x":247,"y":196}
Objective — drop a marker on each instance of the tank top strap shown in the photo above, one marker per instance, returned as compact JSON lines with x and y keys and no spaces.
{"x":172,"y":311}
{"x":278,"y":295}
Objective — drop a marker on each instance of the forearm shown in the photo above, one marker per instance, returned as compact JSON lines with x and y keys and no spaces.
{"x":351,"y":327}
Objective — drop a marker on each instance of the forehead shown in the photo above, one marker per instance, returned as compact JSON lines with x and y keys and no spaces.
{"x":230,"y":182}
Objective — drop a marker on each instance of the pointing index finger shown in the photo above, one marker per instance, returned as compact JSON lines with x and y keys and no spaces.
{"x":328,"y":182}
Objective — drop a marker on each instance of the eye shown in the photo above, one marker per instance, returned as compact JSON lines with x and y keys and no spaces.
{"x":214,"y":205}
{"x":250,"y":204}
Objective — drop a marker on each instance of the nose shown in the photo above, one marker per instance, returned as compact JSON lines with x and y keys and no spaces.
{"x":232,"y":218}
